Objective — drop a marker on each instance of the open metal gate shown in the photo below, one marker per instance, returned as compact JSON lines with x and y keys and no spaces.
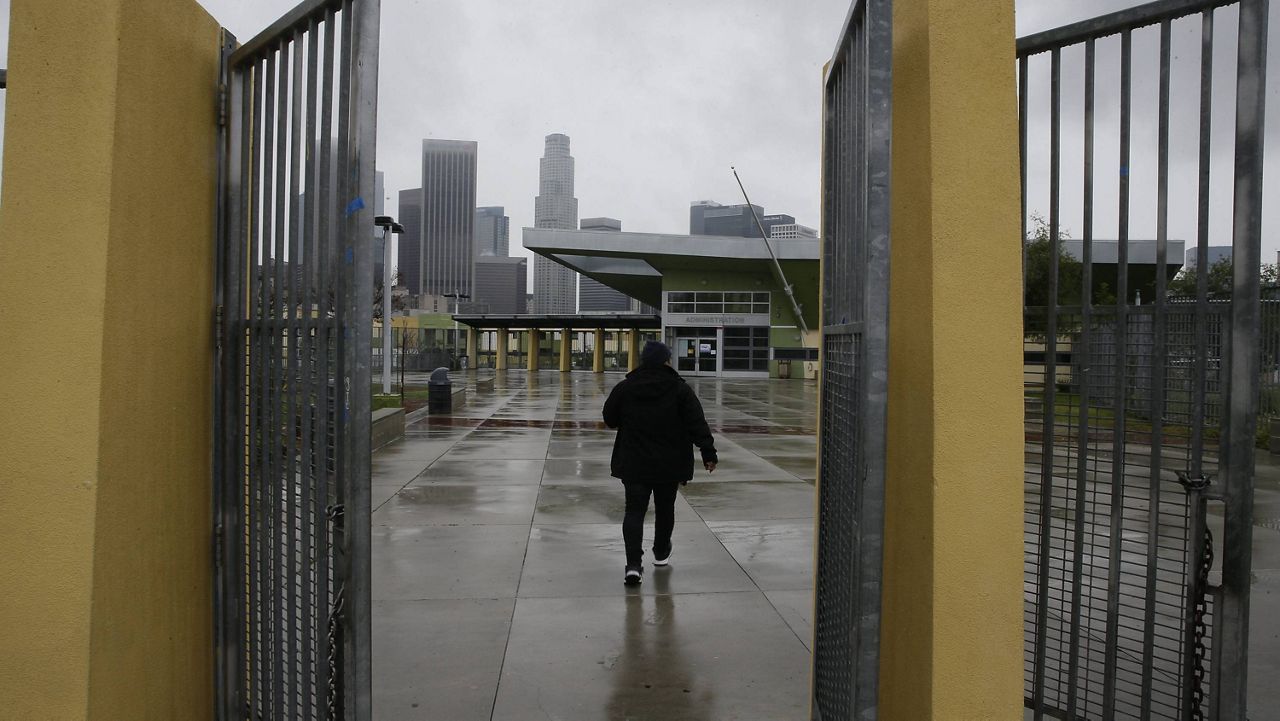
{"x":295,"y":301}
{"x":1140,"y":403}
{"x":855,"y":302}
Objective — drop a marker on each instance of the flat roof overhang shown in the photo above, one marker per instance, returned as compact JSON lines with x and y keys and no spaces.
{"x":619,"y":321}
{"x":634,"y":263}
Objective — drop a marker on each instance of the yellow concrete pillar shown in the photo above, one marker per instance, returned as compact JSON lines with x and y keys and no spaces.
{"x":110,"y":142}
{"x":566,"y":347}
{"x":504,"y":339}
{"x":597,"y":355}
{"x":633,"y":349}
{"x":473,"y":344}
{"x":533,"y":338}
{"x":951,"y":633}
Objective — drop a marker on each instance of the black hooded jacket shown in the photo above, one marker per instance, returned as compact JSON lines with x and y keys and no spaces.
{"x":657,"y":416}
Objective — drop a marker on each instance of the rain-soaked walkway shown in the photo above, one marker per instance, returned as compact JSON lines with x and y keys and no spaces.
{"x":497,"y":563}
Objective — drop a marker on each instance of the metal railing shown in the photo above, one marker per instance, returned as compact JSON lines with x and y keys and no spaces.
{"x":295,"y":275}
{"x":1139,"y":415}
{"x":852,"y":411}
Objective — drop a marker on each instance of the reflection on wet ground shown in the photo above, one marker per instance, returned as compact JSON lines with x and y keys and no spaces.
{"x":497,"y":561}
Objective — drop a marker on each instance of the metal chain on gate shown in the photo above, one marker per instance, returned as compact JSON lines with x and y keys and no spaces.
{"x":335,"y":515}
{"x":332,"y":692}
{"x":1201,"y":630}
{"x":1193,"y":486}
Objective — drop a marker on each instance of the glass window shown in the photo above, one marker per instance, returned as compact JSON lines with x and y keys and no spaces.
{"x":761,"y":308}
{"x":680,"y":307}
{"x":712,"y":296}
{"x":737,"y":297}
{"x":746,"y":348}
{"x":761,"y":297}
{"x":680,"y":297}
{"x":710,"y":307}
{"x":677,"y":331}
{"x":737,"y":307}
{"x":797,"y":354}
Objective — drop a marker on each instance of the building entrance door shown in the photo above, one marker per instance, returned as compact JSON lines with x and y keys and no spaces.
{"x":697,"y":356}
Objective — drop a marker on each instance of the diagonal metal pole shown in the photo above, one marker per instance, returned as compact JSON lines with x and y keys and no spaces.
{"x":777,"y":267}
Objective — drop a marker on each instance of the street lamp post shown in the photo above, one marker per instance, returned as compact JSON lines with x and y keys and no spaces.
{"x":457,"y":302}
{"x":389,"y":226}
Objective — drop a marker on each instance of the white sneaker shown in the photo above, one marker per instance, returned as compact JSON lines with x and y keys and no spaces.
{"x":662,"y":561}
{"x":632,"y":577}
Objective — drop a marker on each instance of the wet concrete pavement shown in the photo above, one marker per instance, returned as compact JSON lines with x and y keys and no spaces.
{"x":1264,"y":596}
{"x":497,"y":561}
{"x":498,"y":558}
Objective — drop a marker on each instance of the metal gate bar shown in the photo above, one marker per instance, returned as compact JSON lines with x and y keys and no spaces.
{"x":1232,"y":600}
{"x":854,"y":365}
{"x":1119,"y":600}
{"x":295,"y":294}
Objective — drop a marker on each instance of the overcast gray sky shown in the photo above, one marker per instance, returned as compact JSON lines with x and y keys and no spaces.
{"x":659,"y":99}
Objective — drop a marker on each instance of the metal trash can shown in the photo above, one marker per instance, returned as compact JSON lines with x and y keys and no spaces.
{"x":784,"y":369}
{"x":440,"y":392}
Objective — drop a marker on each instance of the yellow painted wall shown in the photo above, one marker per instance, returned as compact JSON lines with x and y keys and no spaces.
{"x":108,"y":198}
{"x":951,"y":643}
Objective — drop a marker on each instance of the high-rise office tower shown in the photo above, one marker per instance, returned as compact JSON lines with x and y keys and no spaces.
{"x":555,"y":287}
{"x":448,"y":216}
{"x":493,"y":231}
{"x":409,"y":256}
{"x":594,"y":296}
{"x":500,"y":284}
{"x":791,"y":231}
{"x":707,"y":217}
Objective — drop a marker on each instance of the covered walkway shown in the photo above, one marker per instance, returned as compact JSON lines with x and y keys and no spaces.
{"x":497,"y":562}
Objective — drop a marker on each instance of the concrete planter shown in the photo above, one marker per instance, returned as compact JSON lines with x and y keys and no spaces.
{"x":388,"y":426}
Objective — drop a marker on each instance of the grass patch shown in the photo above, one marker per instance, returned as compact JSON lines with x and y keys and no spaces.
{"x":1067,"y":412}
{"x":411,"y":398}
{"x":380,"y":401}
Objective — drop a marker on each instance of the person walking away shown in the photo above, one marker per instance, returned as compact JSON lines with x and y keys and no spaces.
{"x":658,"y":418}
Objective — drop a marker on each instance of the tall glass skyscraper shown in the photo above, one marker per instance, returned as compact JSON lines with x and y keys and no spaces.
{"x":409,"y":255}
{"x":448,"y":216}
{"x":493,"y":231}
{"x":555,"y":287}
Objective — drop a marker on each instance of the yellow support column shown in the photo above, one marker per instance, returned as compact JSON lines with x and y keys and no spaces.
{"x":633,"y":349}
{"x":566,"y":347}
{"x":504,"y":339}
{"x":110,"y":140}
{"x":597,"y":355}
{"x":533,"y":338}
{"x":951,"y":633}
{"x":473,"y":355}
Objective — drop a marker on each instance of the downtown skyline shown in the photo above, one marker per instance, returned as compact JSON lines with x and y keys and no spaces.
{"x":650,"y":142}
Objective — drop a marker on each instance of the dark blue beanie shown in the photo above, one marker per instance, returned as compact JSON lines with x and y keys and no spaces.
{"x":655,"y":353}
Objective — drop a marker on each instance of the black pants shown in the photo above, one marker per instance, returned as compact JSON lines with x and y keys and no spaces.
{"x":664,"y":511}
